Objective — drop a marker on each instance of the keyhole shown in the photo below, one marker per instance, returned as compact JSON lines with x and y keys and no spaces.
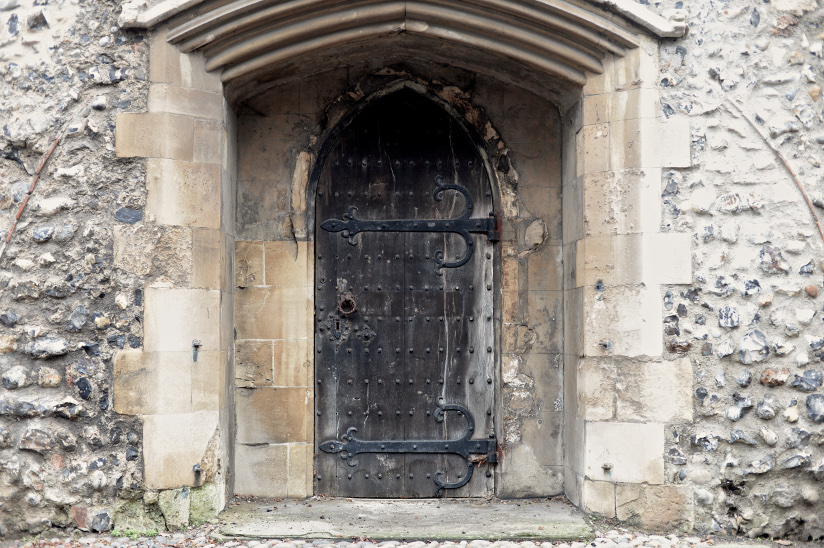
{"x":337,"y":325}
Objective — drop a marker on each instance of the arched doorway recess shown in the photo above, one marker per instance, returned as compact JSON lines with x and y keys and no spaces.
{"x":598,"y":70}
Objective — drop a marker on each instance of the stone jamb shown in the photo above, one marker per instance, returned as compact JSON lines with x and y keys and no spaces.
{"x":186,"y":137}
{"x":617,"y":401}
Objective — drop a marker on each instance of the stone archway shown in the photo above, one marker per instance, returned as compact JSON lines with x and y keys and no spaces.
{"x":615,"y":258}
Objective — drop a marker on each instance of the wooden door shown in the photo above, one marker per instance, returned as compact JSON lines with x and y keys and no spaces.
{"x":404,"y":329}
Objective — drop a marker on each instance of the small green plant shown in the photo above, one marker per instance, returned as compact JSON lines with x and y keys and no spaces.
{"x":133,"y":534}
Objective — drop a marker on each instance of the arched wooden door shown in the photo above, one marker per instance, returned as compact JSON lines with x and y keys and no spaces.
{"x":404,"y":327}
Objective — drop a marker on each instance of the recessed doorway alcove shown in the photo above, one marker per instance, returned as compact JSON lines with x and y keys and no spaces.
{"x":559,"y":102}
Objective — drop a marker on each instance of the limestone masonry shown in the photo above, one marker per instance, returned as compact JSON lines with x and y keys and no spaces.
{"x":657,"y":173}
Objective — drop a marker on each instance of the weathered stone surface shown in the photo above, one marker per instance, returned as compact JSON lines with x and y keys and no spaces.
{"x":130,"y":515}
{"x":47,"y":347}
{"x":767,"y":407}
{"x":16,"y":377}
{"x":815,"y":408}
{"x":774,"y":377}
{"x":784,"y":496}
{"x":174,"y":505}
{"x":204,"y":503}
{"x":48,"y":378}
{"x":102,"y":522}
{"x":9,"y":319}
{"x":808,"y":381}
{"x":35,"y":439}
{"x":772,"y":261}
{"x":753,"y":347}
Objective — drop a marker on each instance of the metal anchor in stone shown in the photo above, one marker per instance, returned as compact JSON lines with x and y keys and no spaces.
{"x":474,"y":451}
{"x":351,"y":226}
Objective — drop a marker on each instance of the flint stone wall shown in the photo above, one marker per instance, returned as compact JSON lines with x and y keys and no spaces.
{"x":748,"y":76}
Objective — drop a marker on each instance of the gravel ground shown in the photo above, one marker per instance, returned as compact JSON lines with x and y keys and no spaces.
{"x":203,"y":537}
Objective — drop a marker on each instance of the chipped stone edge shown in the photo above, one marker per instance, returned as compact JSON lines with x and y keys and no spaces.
{"x":137,"y":15}
{"x":672,"y":25}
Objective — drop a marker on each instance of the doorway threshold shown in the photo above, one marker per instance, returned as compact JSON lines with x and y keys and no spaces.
{"x":404,"y":520}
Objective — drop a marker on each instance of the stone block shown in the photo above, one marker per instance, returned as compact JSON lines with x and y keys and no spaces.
{"x":183,"y":193}
{"x":592,"y":147}
{"x":634,"y":103}
{"x":596,"y":389}
{"x":154,"y":383}
{"x":207,"y":258}
{"x":537,"y":164}
{"x":273,"y":415}
{"x":596,"y":108}
{"x":657,"y":391}
{"x":675,"y":142}
{"x":638,"y":68}
{"x":227,"y":324}
{"x":622,"y":202}
{"x":599,"y":497}
{"x":174,"y":505}
{"x":545,"y":310}
{"x":543,"y":434}
{"x":601,"y":83}
{"x":173,"y":444}
{"x":273,"y":313}
{"x":548,"y":372}
{"x":208,"y":373}
{"x":624,"y":452}
{"x":572,"y":486}
{"x":572,"y":203}
{"x":249,"y":264}
{"x":154,"y":135}
{"x":510,"y":273}
{"x":185,"y":101}
{"x":632,"y":144}
{"x":545,"y":269}
{"x":209,"y":143}
{"x":523,"y":476}
{"x":227,"y":265}
{"x":574,"y":322}
{"x":154,"y":251}
{"x":204,"y":503}
{"x":262,"y":470}
{"x":168,"y":64}
{"x":292,"y":362}
{"x":667,"y":258}
{"x":510,"y":309}
{"x":253,"y":363}
{"x":301,"y":465}
{"x":649,"y":143}
{"x":545,"y":203}
{"x":622,"y":321}
{"x":574,"y":447}
{"x":288,"y":264}
{"x":655,"y":507}
{"x":176,"y":317}
{"x":131,"y":515}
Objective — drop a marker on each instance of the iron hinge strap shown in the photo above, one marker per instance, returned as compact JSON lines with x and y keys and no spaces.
{"x":349,"y":446}
{"x":350,"y":226}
